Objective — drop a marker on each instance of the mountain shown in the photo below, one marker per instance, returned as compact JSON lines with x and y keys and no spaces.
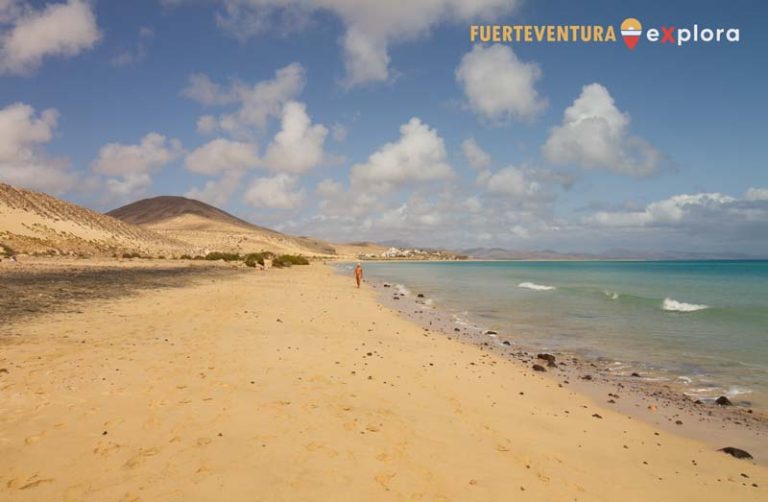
{"x":613,"y":254}
{"x":34,"y":222}
{"x":208,"y":228}
{"x":507,"y":254}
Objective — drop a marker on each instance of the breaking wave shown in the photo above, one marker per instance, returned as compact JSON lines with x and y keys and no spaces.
{"x":671,"y":305}
{"x":535,"y":287}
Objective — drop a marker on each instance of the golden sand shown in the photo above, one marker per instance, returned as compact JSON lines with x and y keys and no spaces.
{"x":294,"y":385}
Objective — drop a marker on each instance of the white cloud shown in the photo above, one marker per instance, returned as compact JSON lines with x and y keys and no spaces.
{"x":510,"y":181}
{"x":276,"y":192}
{"x":154,"y":152}
{"x":207,"y":124}
{"x":498,"y":85}
{"x":257,"y":103}
{"x":131,"y":165}
{"x":371,"y":25}
{"x":595,"y":134}
{"x":419,"y":155}
{"x":222,"y":155}
{"x":335,"y":201}
{"x":298,"y":147}
{"x":136,"y":55}
{"x":128,"y":185}
{"x":58,"y":29}
{"x":218,"y":192}
{"x":755,"y":194}
{"x":710,"y":213}
{"x":22,"y":161}
{"x":476,"y":156}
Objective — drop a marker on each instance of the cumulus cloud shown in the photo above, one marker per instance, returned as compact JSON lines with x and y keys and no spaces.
{"x":713,"y":214}
{"x":371,"y":25}
{"x":419,"y":155}
{"x":22,"y":159}
{"x":131,"y":165}
{"x":476,"y":156}
{"x":222,"y":155}
{"x":298,"y":146}
{"x":257,"y":103}
{"x":510,"y":181}
{"x":756,"y":194}
{"x":28,"y":35}
{"x":595,"y":134}
{"x":218,"y":192}
{"x":153,"y":152}
{"x":276,"y":192}
{"x":498,"y":85}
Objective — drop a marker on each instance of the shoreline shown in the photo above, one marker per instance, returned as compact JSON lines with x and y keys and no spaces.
{"x":293,"y":384}
{"x":641,"y":397}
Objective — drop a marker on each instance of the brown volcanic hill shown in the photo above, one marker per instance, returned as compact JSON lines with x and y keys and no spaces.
{"x":211,"y":229}
{"x":167,"y":207}
{"x":34,"y":222}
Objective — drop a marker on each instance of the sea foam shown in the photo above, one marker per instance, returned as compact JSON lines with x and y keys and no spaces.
{"x":671,"y":305}
{"x":534,"y":286}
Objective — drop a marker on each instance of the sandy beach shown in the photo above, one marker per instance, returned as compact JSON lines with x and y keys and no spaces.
{"x":294,"y":385}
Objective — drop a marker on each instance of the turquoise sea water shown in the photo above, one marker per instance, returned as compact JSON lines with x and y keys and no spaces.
{"x":701,"y":325}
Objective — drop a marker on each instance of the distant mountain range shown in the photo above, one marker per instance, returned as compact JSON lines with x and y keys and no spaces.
{"x":613,"y":254}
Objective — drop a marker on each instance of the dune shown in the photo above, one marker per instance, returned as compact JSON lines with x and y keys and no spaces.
{"x":294,"y":385}
{"x":34,"y":222}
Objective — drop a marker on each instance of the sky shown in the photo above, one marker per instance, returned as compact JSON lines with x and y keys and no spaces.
{"x":357,"y":120}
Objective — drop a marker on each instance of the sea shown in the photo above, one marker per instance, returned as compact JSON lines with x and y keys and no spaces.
{"x":701,"y":326}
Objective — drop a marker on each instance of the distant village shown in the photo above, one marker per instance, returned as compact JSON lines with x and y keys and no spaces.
{"x":394,"y":253}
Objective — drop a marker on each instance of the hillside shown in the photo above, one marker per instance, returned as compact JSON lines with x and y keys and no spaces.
{"x":209,"y":228}
{"x":34,"y":222}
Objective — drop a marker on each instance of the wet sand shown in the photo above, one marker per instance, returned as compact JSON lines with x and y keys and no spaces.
{"x":635,"y":395}
{"x":294,"y":385}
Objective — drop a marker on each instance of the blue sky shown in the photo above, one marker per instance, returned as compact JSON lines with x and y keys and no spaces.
{"x":381,"y":120}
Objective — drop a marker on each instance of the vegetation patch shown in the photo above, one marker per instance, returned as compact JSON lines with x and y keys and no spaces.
{"x":287,"y":260}
{"x":215,"y":255}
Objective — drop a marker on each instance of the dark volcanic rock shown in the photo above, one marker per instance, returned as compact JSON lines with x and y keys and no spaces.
{"x":490,"y":332}
{"x":735,"y":452}
{"x":587,"y":377}
{"x":723,"y":401}
{"x":506,"y":342}
{"x":635,"y":374}
{"x":547,"y":357}
{"x":538,"y":367}
{"x":419,"y":296}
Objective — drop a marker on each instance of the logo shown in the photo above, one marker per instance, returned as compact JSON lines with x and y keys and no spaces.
{"x":631,"y":29}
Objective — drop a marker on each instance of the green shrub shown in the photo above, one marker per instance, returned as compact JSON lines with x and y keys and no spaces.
{"x":6,"y":250}
{"x":223,"y":256}
{"x":279,"y":263}
{"x":293,"y":259}
{"x":131,"y":255}
{"x":185,"y":257}
{"x":253,"y":258}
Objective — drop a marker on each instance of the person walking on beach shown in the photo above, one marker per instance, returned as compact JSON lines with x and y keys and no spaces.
{"x":358,"y":274}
